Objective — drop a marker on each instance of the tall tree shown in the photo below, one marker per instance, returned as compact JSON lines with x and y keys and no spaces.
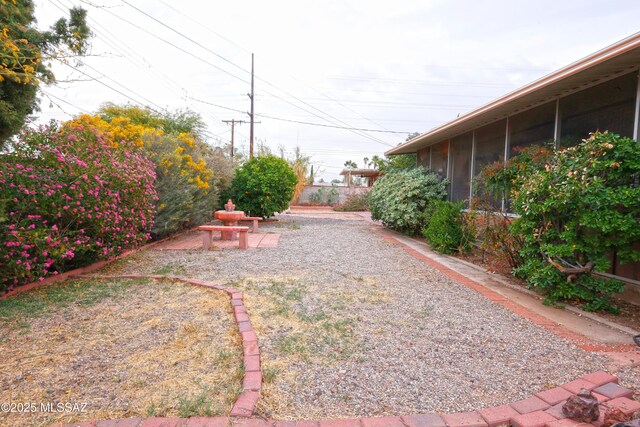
{"x":350,"y":164}
{"x":24,"y":55}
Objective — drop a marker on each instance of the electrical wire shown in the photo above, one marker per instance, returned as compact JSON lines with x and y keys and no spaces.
{"x":237,"y":66}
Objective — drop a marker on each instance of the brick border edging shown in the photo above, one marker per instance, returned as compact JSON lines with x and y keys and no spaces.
{"x":245,"y":404}
{"x":575,"y":338}
{"x":544,"y":409}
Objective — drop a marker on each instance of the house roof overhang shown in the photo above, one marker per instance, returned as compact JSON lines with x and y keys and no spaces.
{"x":618,"y":59}
{"x":360,"y":172}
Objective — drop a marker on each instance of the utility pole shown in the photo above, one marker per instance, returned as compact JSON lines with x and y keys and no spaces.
{"x":251,"y":114}
{"x":233,"y":124}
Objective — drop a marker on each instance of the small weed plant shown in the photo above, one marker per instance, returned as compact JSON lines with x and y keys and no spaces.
{"x":354,"y":202}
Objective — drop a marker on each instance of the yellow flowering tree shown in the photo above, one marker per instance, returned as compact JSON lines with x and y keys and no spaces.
{"x":186,"y":185}
{"x":24,"y":54}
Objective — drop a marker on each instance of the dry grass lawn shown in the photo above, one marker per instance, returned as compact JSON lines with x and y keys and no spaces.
{"x":125,"y":348}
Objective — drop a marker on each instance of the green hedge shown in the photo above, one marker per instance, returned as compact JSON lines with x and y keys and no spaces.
{"x":401,"y":199}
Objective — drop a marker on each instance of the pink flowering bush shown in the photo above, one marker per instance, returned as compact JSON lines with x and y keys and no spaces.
{"x":68,"y":197}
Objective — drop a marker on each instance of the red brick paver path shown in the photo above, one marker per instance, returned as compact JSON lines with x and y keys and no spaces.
{"x":518,"y":414}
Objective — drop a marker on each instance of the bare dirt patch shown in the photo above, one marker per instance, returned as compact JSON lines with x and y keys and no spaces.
{"x":125,"y":348}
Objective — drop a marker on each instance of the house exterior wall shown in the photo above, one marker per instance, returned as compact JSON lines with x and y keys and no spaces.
{"x":610,"y":106}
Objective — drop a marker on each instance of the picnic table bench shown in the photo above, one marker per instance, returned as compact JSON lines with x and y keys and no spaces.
{"x":207,"y":237}
{"x":255,"y":220}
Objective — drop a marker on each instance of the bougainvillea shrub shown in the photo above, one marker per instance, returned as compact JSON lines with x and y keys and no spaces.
{"x":69,"y":196}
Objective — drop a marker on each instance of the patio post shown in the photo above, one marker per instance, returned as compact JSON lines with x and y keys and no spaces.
{"x":636,"y":123}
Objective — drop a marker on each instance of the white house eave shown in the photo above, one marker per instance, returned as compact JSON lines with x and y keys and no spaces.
{"x":559,"y":80}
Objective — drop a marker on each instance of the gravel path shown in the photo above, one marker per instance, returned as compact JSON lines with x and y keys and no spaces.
{"x":351,"y":325}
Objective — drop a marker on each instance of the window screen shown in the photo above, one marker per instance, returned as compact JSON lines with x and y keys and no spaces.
{"x":461,"y":166}
{"x":439,"y":158}
{"x":607,"y":106}
{"x":490,"y":142}
{"x":532,"y":127}
{"x":423,"y":157}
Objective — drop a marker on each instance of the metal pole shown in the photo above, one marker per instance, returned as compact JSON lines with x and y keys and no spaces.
{"x":233,"y":125}
{"x":507,"y":142}
{"x":636,"y":124}
{"x":473,"y":162}
{"x":251,"y":114}
{"x":557,"y":127}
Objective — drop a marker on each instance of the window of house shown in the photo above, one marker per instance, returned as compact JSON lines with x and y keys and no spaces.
{"x":607,"y":106}
{"x":423,"y":157}
{"x":461,"y":166}
{"x":490,"y":140}
{"x":532,"y":127}
{"x":440,"y":158}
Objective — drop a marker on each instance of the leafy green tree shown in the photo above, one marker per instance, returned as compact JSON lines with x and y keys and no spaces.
{"x":263,"y":186}
{"x":412,"y":135}
{"x":24,"y":54}
{"x":394,"y":163}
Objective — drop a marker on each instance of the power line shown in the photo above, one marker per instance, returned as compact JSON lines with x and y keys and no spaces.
{"x":109,"y":87}
{"x":164,"y":40}
{"x":297,"y":121}
{"x":203,"y":26}
{"x":331,"y":126}
{"x":48,"y":95}
{"x":139,"y":61}
{"x":237,"y":66}
{"x":182,"y":35}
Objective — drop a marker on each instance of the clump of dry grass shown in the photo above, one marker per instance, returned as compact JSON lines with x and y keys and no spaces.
{"x":126,"y":348}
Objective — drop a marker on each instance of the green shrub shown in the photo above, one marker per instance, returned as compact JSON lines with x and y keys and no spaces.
{"x":448,"y":229}
{"x":400,"y":199}
{"x":354,"y":202}
{"x":575,"y":211}
{"x":263,"y":186}
{"x":498,"y":239}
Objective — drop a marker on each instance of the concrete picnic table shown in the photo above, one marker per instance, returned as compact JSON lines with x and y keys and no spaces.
{"x":229,"y":217}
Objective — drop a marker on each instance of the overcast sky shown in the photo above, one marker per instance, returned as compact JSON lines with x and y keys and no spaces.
{"x":400,"y":66}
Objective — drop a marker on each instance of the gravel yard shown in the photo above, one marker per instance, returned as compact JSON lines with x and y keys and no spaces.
{"x":350,"y":325}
